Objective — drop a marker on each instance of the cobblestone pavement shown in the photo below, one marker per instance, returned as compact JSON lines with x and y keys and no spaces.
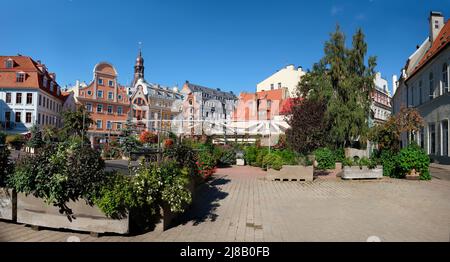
{"x":240,"y":206}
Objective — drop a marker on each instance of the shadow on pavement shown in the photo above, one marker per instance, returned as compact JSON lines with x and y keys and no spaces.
{"x":205,"y":203}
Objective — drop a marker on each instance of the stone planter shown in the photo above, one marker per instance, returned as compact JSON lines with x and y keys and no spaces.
{"x":355,"y":172}
{"x":8,"y":202}
{"x":34,"y":211}
{"x":240,"y":162}
{"x":291,"y":173}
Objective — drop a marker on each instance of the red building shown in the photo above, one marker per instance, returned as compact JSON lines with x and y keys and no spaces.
{"x":107,"y":101}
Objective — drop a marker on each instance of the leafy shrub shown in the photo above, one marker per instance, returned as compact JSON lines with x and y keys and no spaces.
{"x":413,"y":157}
{"x":289,"y":157}
{"x":250,"y":154}
{"x":228,"y":157}
{"x":60,"y":173}
{"x":35,"y":140}
{"x":347,"y":162}
{"x":389,"y":161}
{"x":325,"y":158}
{"x":184,"y":155}
{"x":15,"y":141}
{"x":272,"y":160}
{"x":147,"y":137}
{"x":116,"y":197}
{"x":2,"y":138}
{"x":6,"y":165}
{"x":339,"y":154}
{"x":262,"y":152}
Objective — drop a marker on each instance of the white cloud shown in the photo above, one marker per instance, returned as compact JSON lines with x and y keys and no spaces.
{"x":336,"y":9}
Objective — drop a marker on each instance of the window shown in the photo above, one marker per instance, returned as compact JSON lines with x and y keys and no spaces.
{"x":432,"y":139}
{"x":51,"y":86}
{"x":119,"y":110}
{"x":271,"y":86}
{"x":8,"y":98}
{"x":28,"y":117}
{"x":89,"y":92}
{"x":111,"y":83}
{"x":420,"y":92}
{"x":99,"y":124}
{"x":29,"y":98}
{"x":431,"y":78}
{"x":100,"y":93}
{"x":20,"y":77}
{"x":269,"y":104}
{"x":279,"y":85}
{"x":19,"y":98}
{"x":18,"y":117}
{"x":89,"y":107}
{"x":39,"y":119}
{"x":44,"y":81}
{"x":99,"y":108}
{"x":110,"y":95}
{"x":9,"y":63}
{"x":46,"y":120}
{"x":40,"y":100}
{"x":108,"y":125}
{"x":110,"y":110}
{"x":119,"y":97}
{"x":144,"y":113}
{"x":444,"y":130}
{"x":445,"y":78}
{"x":119,"y":126}
{"x":100,"y":81}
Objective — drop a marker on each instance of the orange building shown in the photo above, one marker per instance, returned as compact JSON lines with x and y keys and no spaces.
{"x":107,"y":101}
{"x":264,"y":105}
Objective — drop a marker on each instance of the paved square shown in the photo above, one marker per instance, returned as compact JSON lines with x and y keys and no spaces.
{"x":240,"y":206}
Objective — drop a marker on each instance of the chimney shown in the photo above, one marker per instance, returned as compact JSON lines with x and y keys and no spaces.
{"x":436,"y":24}
{"x":394,"y":84}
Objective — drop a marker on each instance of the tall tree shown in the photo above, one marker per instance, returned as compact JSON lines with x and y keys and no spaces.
{"x":344,"y":82}
{"x":76,"y":122}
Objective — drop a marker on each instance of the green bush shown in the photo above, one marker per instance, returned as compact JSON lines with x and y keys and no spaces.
{"x":2,"y":138}
{"x":339,"y":154}
{"x":272,"y":160}
{"x":347,"y":162}
{"x":250,"y":154}
{"x":389,"y":161}
{"x":60,"y":173}
{"x":15,"y":141}
{"x":325,"y":158}
{"x":413,"y":157}
{"x":6,"y":165}
{"x":116,"y":197}
{"x":262,"y":152}
{"x":289,"y":157}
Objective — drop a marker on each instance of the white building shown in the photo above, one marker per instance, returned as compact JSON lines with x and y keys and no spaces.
{"x":381,"y":100}
{"x":287,"y":77}
{"x":29,"y":95}
{"x":424,"y":85}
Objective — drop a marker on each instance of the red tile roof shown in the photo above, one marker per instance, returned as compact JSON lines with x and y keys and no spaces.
{"x":441,"y":41}
{"x":33,"y":75}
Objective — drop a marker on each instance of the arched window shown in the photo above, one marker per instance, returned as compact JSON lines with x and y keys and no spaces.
{"x":445,"y":77}
{"x":431,"y":79}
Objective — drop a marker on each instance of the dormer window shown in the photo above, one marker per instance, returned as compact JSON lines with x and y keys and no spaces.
{"x":51,"y":86}
{"x":20,"y":77}
{"x":58,"y":91}
{"x":9,"y":63}
{"x":45,"y":82}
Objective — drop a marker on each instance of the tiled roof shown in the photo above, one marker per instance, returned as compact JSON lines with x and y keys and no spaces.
{"x":211,"y":91}
{"x":33,"y":75}
{"x":441,"y":41}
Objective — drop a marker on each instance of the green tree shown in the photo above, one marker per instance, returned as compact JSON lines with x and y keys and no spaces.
{"x":76,"y":122}
{"x":345,"y":82}
{"x":36,"y":138}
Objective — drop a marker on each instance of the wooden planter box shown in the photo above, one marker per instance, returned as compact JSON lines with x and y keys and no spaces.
{"x":8,"y":202}
{"x":355,"y":172}
{"x":34,"y":211}
{"x":291,"y":173}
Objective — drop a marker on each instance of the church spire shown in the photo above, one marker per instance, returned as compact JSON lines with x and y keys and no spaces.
{"x":139,"y":66}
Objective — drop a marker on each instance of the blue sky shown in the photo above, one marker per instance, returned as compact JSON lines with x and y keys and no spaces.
{"x":227,"y":44}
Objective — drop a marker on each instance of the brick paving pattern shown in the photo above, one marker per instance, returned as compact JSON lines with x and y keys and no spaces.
{"x":238,"y":205}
